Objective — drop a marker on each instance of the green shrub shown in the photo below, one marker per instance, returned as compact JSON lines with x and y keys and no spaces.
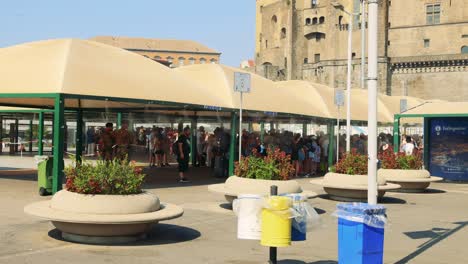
{"x":275,"y":166}
{"x":352,"y":163}
{"x":105,"y":177}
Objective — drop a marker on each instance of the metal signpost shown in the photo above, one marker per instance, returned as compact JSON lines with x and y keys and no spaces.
{"x":242,"y":85}
{"x":339,"y":102}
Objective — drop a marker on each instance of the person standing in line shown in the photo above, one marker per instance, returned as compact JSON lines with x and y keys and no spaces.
{"x":166,"y":146}
{"x":183,"y":154}
{"x":90,"y":139}
{"x":107,"y":141}
{"x":123,"y":139}
{"x":408,"y":148}
{"x":152,"y":155}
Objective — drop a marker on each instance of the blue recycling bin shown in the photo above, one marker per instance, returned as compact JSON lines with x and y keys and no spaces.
{"x":298,"y":225}
{"x":360,"y":233}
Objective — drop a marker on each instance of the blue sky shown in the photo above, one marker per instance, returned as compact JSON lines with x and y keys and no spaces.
{"x":227,"y":26}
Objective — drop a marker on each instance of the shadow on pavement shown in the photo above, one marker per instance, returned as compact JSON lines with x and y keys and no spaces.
{"x":20,"y":177}
{"x":436,"y":235}
{"x":226,"y":206}
{"x":290,"y":261}
{"x":319,"y":211}
{"x":391,"y":200}
{"x":160,"y":234}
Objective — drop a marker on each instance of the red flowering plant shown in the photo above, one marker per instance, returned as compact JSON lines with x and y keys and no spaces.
{"x":276,"y":165}
{"x":352,"y":163}
{"x":105,"y":177}
{"x":401,"y":161}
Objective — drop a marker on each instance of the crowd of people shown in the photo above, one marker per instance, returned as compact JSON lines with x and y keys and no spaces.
{"x":309,"y":154}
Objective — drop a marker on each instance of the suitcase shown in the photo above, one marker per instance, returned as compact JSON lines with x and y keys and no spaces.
{"x":219,"y":166}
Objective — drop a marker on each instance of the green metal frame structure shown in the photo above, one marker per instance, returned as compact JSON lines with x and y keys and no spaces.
{"x":59,"y":109}
{"x":426,"y":117}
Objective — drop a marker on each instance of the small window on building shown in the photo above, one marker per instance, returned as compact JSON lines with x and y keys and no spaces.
{"x":202,"y":60}
{"x":308,"y":21}
{"x":306,"y":60}
{"x":427,"y":43}
{"x":213,"y":61}
{"x":322,"y":20}
{"x":170,"y":59}
{"x":283,"y":33}
{"x":388,"y":43}
{"x":314,"y":3}
{"x":317,"y":57}
{"x":433,"y":14}
{"x":340,"y":20}
{"x":181,"y":61}
{"x":274,"y":19}
{"x":353,"y":55}
{"x":285,"y":62}
{"x":191,"y":61}
{"x":266,"y":44}
{"x":464,"y":50}
{"x":314,"y":21}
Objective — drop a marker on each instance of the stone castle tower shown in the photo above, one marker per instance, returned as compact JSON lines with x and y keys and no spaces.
{"x":423,"y":45}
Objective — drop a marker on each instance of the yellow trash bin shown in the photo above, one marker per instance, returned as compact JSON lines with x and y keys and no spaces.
{"x":276,"y":222}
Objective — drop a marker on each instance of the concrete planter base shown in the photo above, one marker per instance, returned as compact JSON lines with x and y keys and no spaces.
{"x":103,"y":219}
{"x":343,"y":187}
{"x":235,"y":186}
{"x":413,"y":181}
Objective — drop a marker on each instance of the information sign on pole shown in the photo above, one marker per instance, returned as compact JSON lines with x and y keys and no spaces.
{"x":242,"y":85}
{"x":339,"y":102}
{"x":339,"y":97}
{"x":403,"y":105}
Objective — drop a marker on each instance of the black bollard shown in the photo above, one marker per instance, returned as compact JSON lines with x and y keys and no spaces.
{"x":273,"y":250}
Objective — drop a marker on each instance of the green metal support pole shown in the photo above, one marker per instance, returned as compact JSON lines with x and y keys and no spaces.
{"x":304,"y":129}
{"x":262,"y":131}
{"x":426,"y":137}
{"x":59,"y":138}
{"x":79,"y":135}
{"x":16,"y":135}
{"x":232,"y":145}
{"x":30,"y":136}
{"x":40,"y":135}
{"x":193,"y":141}
{"x":119,"y":120}
{"x":331,"y":144}
{"x":396,"y":134}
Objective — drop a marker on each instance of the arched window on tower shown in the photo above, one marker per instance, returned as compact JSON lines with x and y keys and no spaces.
{"x":308,"y":21}
{"x":181,"y":61}
{"x":191,"y":60}
{"x":314,"y":21}
{"x":274,"y":19}
{"x":283,"y":33}
{"x":202,"y":60}
{"x":213,"y":61}
{"x":464,"y":50}
{"x":322,"y":20}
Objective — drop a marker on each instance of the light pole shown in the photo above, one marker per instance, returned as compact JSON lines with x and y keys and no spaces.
{"x":372,"y":72}
{"x":363,"y":43}
{"x":348,"y":77}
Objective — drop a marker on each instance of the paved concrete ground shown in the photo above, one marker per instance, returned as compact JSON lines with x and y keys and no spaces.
{"x":423,"y":228}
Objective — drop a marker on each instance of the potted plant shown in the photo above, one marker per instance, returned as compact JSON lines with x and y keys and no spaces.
{"x":104,"y":203}
{"x":347,"y":181}
{"x":255,"y":174}
{"x":405,"y":170}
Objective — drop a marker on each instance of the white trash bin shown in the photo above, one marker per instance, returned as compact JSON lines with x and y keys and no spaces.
{"x":248,"y":207}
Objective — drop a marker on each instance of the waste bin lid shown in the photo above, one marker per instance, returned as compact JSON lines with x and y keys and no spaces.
{"x":362,"y":208}
{"x":279,"y":203}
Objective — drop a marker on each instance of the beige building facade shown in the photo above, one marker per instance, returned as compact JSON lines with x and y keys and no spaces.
{"x":174,"y":53}
{"x":423,"y":44}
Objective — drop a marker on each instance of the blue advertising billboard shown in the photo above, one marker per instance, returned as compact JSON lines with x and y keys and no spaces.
{"x":448,"y":148}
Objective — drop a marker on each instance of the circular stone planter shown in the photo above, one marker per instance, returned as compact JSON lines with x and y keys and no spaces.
{"x":103,"y":219}
{"x":409,"y":180}
{"x":234,"y":186}
{"x":344,"y":187}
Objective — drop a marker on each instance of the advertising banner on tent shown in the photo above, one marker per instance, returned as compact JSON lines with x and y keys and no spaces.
{"x":448,"y":148}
